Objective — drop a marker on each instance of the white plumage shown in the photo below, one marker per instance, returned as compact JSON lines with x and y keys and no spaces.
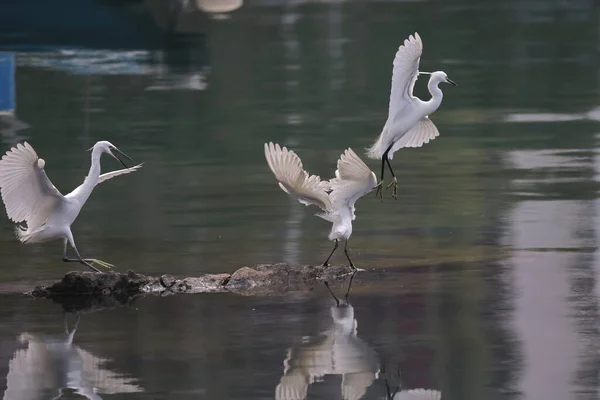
{"x":418,"y":394}
{"x":408,"y":123}
{"x":336,"y":197}
{"x":30,"y":197}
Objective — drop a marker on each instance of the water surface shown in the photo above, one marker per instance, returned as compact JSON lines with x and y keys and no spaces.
{"x":480,"y":281}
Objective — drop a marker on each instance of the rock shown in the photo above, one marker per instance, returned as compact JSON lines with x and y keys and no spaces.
{"x":80,"y":290}
{"x":277,"y":279}
{"x":209,"y":283}
{"x":87,"y":282}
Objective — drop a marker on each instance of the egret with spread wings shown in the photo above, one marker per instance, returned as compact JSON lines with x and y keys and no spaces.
{"x":336,"y":197}
{"x":30,"y":197}
{"x":408,"y":123}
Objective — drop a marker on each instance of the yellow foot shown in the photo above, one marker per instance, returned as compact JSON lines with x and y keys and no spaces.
{"x":379,"y":193}
{"x":394,"y":186}
{"x":101,"y":263}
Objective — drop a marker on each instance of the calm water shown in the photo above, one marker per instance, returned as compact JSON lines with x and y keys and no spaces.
{"x":481,"y":281}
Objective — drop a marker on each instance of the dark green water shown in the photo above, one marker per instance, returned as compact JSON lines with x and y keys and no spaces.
{"x":481,"y":279}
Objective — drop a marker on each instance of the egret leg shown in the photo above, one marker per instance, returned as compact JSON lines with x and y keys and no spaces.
{"x":337,"y":301}
{"x":348,"y":256}
{"x":335,"y":246}
{"x":349,"y":286}
{"x":380,"y":184}
{"x":394,"y":183}
{"x":390,"y":394}
{"x":79,"y":259}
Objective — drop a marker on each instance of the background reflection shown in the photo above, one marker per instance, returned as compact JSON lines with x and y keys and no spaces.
{"x":482,"y":280}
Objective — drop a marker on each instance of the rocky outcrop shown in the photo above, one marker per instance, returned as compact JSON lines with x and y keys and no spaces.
{"x":85,"y":289}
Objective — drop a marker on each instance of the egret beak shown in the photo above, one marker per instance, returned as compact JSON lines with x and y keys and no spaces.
{"x":424,"y":73}
{"x":123,"y":154}
{"x":451,"y":82}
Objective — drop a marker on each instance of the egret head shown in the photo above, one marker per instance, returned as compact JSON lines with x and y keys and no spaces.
{"x":107,"y":147}
{"x":439,"y":76}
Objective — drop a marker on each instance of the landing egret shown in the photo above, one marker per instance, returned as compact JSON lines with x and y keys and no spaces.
{"x":408,"y":123}
{"x":30,"y":197}
{"x":336,"y":197}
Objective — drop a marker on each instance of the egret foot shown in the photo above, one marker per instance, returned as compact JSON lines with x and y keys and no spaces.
{"x":394,"y":186}
{"x":379,"y":193}
{"x":101,"y":263}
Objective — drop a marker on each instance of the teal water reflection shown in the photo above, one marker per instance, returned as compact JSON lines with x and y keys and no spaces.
{"x":481,"y":279}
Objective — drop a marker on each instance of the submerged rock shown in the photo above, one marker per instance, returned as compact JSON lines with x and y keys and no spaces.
{"x":84,"y":289}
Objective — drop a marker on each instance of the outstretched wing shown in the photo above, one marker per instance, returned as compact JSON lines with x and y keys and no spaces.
{"x":27,"y":193}
{"x":421,"y":133}
{"x":293,"y":179}
{"x":112,"y":174}
{"x":405,"y":73}
{"x":353,"y":179}
{"x":418,"y":394}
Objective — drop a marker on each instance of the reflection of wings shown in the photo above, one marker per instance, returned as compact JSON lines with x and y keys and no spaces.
{"x":418,"y":394}
{"x":112,"y":174}
{"x":49,"y":366}
{"x":292,"y":387}
{"x":354,"y":386}
{"x":338,"y":351}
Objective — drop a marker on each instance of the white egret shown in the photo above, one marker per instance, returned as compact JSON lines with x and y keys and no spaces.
{"x":336,"y":197}
{"x":408,"y":123}
{"x":30,"y":197}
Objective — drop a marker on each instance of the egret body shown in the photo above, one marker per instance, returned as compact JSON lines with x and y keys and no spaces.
{"x":30,"y":197}
{"x":336,"y":197}
{"x":408,"y":123}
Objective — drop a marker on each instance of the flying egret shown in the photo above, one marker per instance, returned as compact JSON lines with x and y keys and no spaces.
{"x":408,"y":123}
{"x":336,"y":197}
{"x":30,"y":197}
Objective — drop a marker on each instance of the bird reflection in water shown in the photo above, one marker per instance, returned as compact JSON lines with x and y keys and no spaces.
{"x":52,"y":366}
{"x":409,"y":394}
{"x":337,"y":351}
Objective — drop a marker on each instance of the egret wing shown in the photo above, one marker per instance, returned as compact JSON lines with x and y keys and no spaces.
{"x":293,"y":179}
{"x":418,"y":394}
{"x":353,"y":180}
{"x":112,"y":174}
{"x":27,"y":193}
{"x":421,"y":133}
{"x":405,"y":73}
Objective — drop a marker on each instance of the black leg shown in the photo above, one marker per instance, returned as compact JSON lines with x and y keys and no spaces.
{"x":348,"y":256}
{"x":337,"y":301}
{"x":387,"y":160}
{"x":335,"y":246}
{"x":390,"y":395}
{"x":384,"y":160}
{"x":78,"y":259}
{"x":394,"y":183}
{"x":349,"y":286}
